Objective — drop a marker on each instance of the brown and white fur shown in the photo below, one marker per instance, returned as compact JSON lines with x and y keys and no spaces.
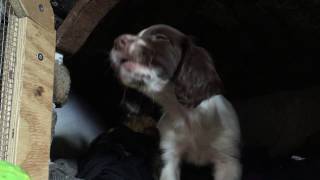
{"x":199,"y":125}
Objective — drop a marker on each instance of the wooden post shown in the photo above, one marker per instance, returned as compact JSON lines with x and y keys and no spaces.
{"x":39,"y":11}
{"x":28,"y":107}
{"x":33,"y":99}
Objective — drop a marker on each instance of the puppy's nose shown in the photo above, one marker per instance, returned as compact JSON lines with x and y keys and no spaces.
{"x":122,"y":41}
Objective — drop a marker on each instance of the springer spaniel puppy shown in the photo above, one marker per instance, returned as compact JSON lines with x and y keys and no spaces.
{"x":198,"y":125}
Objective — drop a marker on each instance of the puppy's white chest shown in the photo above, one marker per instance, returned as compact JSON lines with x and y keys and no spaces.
{"x":196,"y":143}
{"x":197,"y":134}
{"x":192,"y":137}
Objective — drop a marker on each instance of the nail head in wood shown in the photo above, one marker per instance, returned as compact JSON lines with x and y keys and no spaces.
{"x":40,"y":56}
{"x":41,"y":7}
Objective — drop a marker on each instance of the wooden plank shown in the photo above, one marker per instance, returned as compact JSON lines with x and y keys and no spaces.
{"x":33,"y":98}
{"x":80,"y":22}
{"x":39,"y":11}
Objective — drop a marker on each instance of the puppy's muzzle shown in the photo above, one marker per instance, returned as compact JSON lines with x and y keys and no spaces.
{"x":123,"y":42}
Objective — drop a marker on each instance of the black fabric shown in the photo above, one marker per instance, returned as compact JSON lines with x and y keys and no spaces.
{"x":258,"y":166}
{"x":125,"y":155}
{"x":120,"y":155}
{"x":263,"y":169}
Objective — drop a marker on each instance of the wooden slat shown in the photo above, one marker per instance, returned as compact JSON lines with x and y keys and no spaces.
{"x":33,"y":97}
{"x":80,"y":22}
{"x":39,"y":11}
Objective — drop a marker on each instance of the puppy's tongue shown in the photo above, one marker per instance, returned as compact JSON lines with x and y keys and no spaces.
{"x":132,"y":66}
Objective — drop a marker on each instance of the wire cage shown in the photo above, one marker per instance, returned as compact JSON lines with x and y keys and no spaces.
{"x":27,"y":48}
{"x":8,"y":47}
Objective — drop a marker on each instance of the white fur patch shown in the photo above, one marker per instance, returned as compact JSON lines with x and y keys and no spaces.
{"x":141,"y":42}
{"x":142,"y":32}
{"x":114,"y":57}
{"x":155,"y":84}
{"x":152,"y":83}
{"x":137,"y":44}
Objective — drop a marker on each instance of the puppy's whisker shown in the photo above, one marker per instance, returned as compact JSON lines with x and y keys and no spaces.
{"x":150,"y":63}
{"x":153,"y":99}
{"x":124,"y":95}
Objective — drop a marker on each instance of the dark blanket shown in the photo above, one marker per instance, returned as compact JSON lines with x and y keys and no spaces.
{"x":119,"y":155}
{"x":125,"y":155}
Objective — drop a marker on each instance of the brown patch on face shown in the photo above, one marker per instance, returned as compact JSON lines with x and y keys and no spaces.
{"x":190,"y":67}
{"x":166,"y":44}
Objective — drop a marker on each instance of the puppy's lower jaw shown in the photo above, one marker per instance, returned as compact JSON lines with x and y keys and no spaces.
{"x":141,"y":78}
{"x":130,"y":76}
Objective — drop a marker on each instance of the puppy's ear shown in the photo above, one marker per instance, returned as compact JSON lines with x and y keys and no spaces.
{"x":196,"y":78}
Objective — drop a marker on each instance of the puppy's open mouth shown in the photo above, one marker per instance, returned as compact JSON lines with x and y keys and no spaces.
{"x":123,"y":60}
{"x":134,"y":73}
{"x":132,"y":66}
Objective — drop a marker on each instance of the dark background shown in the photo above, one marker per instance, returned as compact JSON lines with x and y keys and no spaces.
{"x":260,"y":48}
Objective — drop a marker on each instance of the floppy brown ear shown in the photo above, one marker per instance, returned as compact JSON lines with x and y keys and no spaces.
{"x":196,"y":78}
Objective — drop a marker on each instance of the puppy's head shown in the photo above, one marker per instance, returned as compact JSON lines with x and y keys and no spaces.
{"x":161,"y":55}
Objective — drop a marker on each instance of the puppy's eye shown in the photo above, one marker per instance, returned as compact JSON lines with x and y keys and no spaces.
{"x":160,"y":37}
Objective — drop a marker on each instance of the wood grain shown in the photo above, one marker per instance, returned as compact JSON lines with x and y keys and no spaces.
{"x":80,"y":22}
{"x":39,"y":11}
{"x":33,"y":98}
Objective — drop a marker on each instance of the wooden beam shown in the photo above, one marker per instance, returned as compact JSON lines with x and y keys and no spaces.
{"x":80,"y":22}
{"x":30,"y":139}
{"x":39,"y":11}
{"x":27,"y":87}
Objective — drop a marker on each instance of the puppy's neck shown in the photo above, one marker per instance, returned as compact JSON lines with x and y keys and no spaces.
{"x":169,"y":102}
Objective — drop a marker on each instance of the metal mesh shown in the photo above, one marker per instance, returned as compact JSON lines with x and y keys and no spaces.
{"x":8,"y":47}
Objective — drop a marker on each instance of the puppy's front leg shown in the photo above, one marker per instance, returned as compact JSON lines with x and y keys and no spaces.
{"x":171,"y":169}
{"x":227,"y":168}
